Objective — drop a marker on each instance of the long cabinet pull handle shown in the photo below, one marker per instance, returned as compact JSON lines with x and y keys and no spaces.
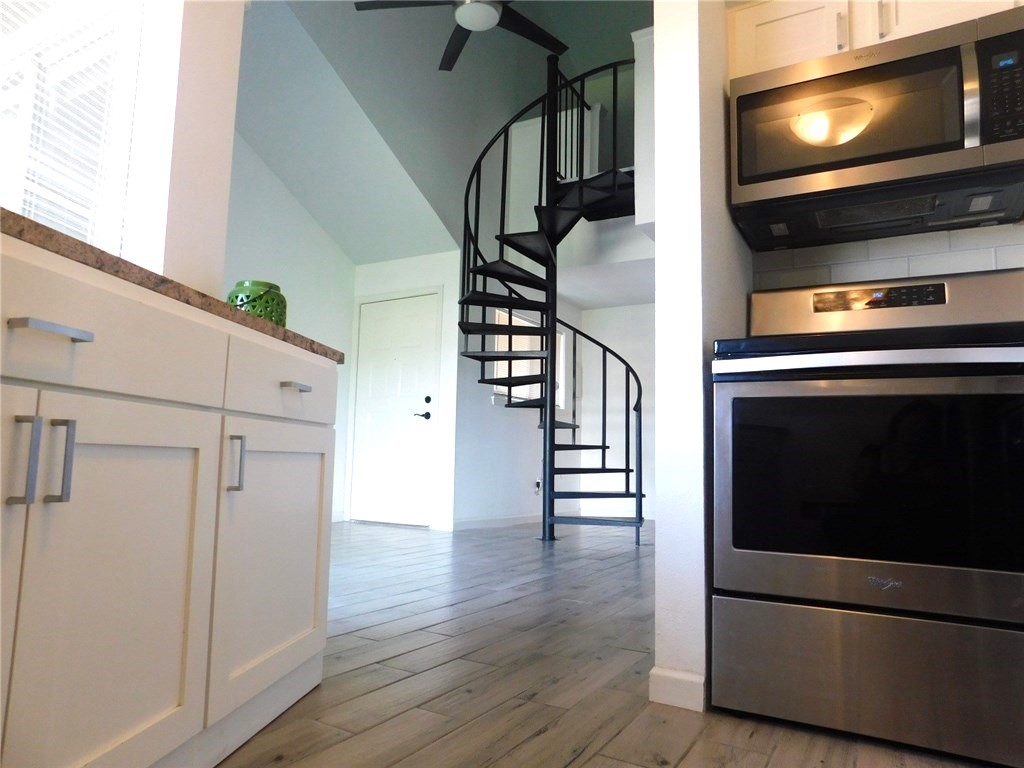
{"x":840,"y":32}
{"x":33,"y":460}
{"x":297,"y":385}
{"x":70,"y":426}
{"x":241,"y":463}
{"x":75,"y":334}
{"x":882,"y":31}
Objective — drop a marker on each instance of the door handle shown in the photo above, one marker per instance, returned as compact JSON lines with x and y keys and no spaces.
{"x":69,"y":461}
{"x":297,"y":386}
{"x":425,"y":415}
{"x":241,"y":463}
{"x":33,"y":460}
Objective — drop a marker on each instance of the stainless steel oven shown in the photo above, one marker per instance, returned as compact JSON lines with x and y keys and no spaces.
{"x":868,"y":528}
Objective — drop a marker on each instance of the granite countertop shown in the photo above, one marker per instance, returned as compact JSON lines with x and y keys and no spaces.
{"x":34,"y":233}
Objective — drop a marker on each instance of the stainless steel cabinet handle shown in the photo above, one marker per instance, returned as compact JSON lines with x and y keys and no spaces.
{"x":882,"y":31}
{"x":33,"y":460}
{"x":297,"y":385}
{"x":241,"y":463}
{"x":69,"y":461}
{"x":75,"y":334}
{"x":841,"y":32}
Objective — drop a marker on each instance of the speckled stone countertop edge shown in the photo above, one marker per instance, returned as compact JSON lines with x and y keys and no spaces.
{"x":32,"y":232}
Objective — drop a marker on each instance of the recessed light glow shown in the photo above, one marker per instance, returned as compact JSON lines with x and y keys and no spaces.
{"x":832,"y":122}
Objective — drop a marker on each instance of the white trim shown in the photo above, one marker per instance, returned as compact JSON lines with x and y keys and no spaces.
{"x":677,"y":688}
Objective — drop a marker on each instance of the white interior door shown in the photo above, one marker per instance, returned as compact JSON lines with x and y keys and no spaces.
{"x":395,"y":461}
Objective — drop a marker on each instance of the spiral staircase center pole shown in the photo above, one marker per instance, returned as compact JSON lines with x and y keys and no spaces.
{"x":551,"y":315}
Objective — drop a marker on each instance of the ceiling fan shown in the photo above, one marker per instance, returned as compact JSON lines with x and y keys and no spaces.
{"x":475,"y":16}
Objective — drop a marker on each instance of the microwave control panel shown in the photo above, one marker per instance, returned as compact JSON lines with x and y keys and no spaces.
{"x":1001,"y":71}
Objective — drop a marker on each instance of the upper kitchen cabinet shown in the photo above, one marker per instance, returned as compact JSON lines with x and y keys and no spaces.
{"x":772,"y":34}
{"x":776,"y":33}
{"x":893,"y":19}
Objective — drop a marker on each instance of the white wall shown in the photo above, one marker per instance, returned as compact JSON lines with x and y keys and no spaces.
{"x":405,"y":277}
{"x":703,"y":276}
{"x":930,"y":253}
{"x":271,"y":237}
{"x":204,"y":129}
{"x":630,"y":332}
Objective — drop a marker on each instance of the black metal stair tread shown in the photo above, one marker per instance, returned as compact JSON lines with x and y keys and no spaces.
{"x":500,"y":329}
{"x":557,"y":221}
{"x":495,"y":356}
{"x":579,"y":447}
{"x":504,"y":270}
{"x":537,"y":402}
{"x":624,"y":521}
{"x":595,"y":494}
{"x":484,"y":299}
{"x":561,"y":425}
{"x":514,"y":381}
{"x":533,"y":245}
{"x":591,"y":470}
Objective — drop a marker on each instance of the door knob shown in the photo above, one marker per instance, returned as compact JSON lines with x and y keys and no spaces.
{"x":423,"y":415}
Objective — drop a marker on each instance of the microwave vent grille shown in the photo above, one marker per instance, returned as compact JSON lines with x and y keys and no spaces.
{"x":874,"y":213}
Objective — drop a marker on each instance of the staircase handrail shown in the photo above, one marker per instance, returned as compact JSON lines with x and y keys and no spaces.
{"x":605,"y":348}
{"x":470,"y":235}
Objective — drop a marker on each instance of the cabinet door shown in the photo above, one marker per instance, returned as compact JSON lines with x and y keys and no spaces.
{"x":892,"y":19}
{"x":269,"y":605}
{"x":773,"y":34}
{"x":110,"y":646}
{"x":18,"y":411}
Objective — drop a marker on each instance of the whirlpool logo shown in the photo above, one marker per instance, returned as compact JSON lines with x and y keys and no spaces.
{"x":884,"y":583}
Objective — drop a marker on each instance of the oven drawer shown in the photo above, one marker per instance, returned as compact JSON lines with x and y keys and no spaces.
{"x":941,"y":685}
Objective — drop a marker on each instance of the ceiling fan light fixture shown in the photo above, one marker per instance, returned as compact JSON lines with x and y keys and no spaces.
{"x":477,"y":15}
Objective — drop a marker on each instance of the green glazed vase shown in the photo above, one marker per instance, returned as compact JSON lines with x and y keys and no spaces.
{"x":261,"y":299}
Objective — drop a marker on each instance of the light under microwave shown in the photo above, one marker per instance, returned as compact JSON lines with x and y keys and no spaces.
{"x":915,"y":135}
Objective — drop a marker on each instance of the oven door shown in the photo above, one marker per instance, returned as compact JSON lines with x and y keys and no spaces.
{"x":904,"y":494}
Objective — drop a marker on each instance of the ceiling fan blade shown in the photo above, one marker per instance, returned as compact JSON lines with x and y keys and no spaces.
{"x":376,"y":5}
{"x":515,"y":22}
{"x":455,"y":45}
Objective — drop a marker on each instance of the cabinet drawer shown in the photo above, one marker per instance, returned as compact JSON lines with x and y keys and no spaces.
{"x":270,"y":379}
{"x":135,"y":348}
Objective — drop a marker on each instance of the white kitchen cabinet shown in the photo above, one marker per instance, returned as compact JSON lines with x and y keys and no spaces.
{"x":773,"y":34}
{"x":112,"y":655}
{"x":269,"y":608}
{"x":892,"y":19}
{"x":110,"y":642}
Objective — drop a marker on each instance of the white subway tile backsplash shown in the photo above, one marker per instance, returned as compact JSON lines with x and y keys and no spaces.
{"x":769,"y":260}
{"x":1010,"y":257}
{"x":986,"y":237}
{"x":792,"y":278}
{"x":908,"y":245}
{"x":954,"y":261}
{"x":879,"y":269}
{"x":829,"y":254}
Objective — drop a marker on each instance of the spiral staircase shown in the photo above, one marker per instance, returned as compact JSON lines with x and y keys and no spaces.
{"x":571,"y":171}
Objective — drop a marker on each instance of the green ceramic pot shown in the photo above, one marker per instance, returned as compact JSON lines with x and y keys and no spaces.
{"x":261,"y":299}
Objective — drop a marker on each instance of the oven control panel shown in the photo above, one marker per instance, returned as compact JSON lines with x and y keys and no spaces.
{"x":921,"y":295}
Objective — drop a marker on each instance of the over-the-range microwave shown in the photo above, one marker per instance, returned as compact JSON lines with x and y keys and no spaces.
{"x":921,"y":134}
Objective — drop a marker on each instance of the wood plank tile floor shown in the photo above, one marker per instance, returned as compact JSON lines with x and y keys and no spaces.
{"x":491,"y":648}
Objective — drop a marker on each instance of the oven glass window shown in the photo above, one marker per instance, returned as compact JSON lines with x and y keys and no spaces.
{"x":895,"y":110}
{"x":936,"y":480}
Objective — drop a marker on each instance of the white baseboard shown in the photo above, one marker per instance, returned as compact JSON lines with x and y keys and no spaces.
{"x":496,"y":522}
{"x":677,"y":689}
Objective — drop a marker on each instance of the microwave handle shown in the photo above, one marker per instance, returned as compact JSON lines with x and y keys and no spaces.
{"x":972,"y":95}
